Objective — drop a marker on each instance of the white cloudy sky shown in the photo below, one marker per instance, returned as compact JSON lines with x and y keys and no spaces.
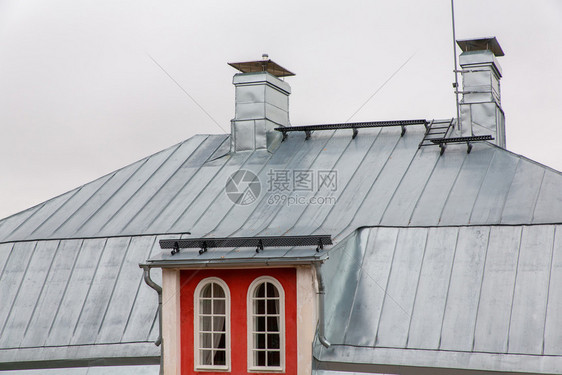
{"x":80,"y":95}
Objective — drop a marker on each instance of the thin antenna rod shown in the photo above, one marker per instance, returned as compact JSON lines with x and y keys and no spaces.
{"x":455,"y":70}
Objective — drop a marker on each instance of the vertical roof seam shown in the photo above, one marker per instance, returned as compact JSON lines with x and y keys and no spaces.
{"x":41,"y":291}
{"x":26,"y":219}
{"x":65,"y":290}
{"x":173,"y":197}
{"x":513,"y":293}
{"x":85,"y":202}
{"x":537,"y":196}
{"x":398,"y":185}
{"x":319,"y":227}
{"x":222,"y":219}
{"x":482,"y":184}
{"x":7,"y":259}
{"x":60,"y":207}
{"x":352,"y":220}
{"x":480,"y":291}
{"x":196,"y":198}
{"x":423,"y":190}
{"x":385,"y":290}
{"x":509,"y":189}
{"x":221,"y":192}
{"x":417,"y":287}
{"x":150,"y":247}
{"x":19,"y":286}
{"x":117,"y":278}
{"x":161,"y":186}
{"x":310,"y":167}
{"x":89,"y":289}
{"x":106,"y":201}
{"x":358,"y":279}
{"x":281,"y":206}
{"x":118,"y":210}
{"x":448,"y":287}
{"x":548,"y":288}
{"x":451,"y":190}
{"x":318,"y":190}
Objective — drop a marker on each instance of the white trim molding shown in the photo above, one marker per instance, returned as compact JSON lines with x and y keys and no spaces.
{"x":211,"y":314}
{"x":256,"y":309}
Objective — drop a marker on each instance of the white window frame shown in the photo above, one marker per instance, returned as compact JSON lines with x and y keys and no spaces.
{"x":197,"y":329}
{"x":250,"y":325}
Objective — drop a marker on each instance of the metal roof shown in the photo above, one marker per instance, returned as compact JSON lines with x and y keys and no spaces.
{"x":382,"y":179}
{"x":481,"y":298}
{"x":77,"y":300}
{"x":59,"y":259}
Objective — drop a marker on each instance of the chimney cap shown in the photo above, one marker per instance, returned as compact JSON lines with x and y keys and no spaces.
{"x":264,"y":65}
{"x":481,"y":44}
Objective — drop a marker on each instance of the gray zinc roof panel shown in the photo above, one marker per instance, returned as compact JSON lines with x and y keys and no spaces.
{"x":478,"y":298}
{"x":69,"y":299}
{"x":553,"y":326}
{"x":530,"y":297}
{"x":384,"y":180}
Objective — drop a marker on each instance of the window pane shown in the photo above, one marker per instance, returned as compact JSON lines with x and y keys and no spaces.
{"x":219,"y":306}
{"x":205,"y":306}
{"x":206,"y":291}
{"x":273,"y":358}
{"x":273,"y":306}
{"x":206,"y":357}
{"x":206,"y":340}
{"x":272,"y":291}
{"x":219,"y":341}
{"x":219,"y":324}
{"x":273,"y":341}
{"x":218,"y":292}
{"x":259,"y":324}
{"x":259,"y":340}
{"x":260,"y":291}
{"x":205,"y":323}
{"x":220,"y":358}
{"x":259,"y":306}
{"x":259,"y":358}
{"x":273,"y":324}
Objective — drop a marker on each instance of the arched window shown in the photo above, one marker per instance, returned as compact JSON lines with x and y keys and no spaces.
{"x":212,"y":325}
{"x":266,"y":325}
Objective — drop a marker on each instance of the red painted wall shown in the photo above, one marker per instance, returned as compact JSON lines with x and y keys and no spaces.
{"x":238,"y":282}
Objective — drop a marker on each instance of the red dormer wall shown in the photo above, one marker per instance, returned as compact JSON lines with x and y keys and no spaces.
{"x":238,"y":281}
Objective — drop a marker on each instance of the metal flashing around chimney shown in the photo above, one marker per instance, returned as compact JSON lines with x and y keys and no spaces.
{"x":480,"y":108}
{"x":261,"y":105}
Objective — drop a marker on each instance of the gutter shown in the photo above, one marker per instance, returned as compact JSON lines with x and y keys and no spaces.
{"x":158,"y":289}
{"x":321,"y":321}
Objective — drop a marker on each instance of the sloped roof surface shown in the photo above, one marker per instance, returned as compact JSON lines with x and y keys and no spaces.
{"x":70,"y":282}
{"x":473,"y":298}
{"x":382,"y":179}
{"x":77,"y":300}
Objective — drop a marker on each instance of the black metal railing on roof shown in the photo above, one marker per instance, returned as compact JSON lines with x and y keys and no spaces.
{"x":259,"y":242}
{"x":308,"y":129}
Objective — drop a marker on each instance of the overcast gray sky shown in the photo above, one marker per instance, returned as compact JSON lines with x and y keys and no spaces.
{"x":80,"y":95}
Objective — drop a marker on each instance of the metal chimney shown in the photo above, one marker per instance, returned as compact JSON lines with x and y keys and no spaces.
{"x":261,"y":104}
{"x":480,"y":106}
